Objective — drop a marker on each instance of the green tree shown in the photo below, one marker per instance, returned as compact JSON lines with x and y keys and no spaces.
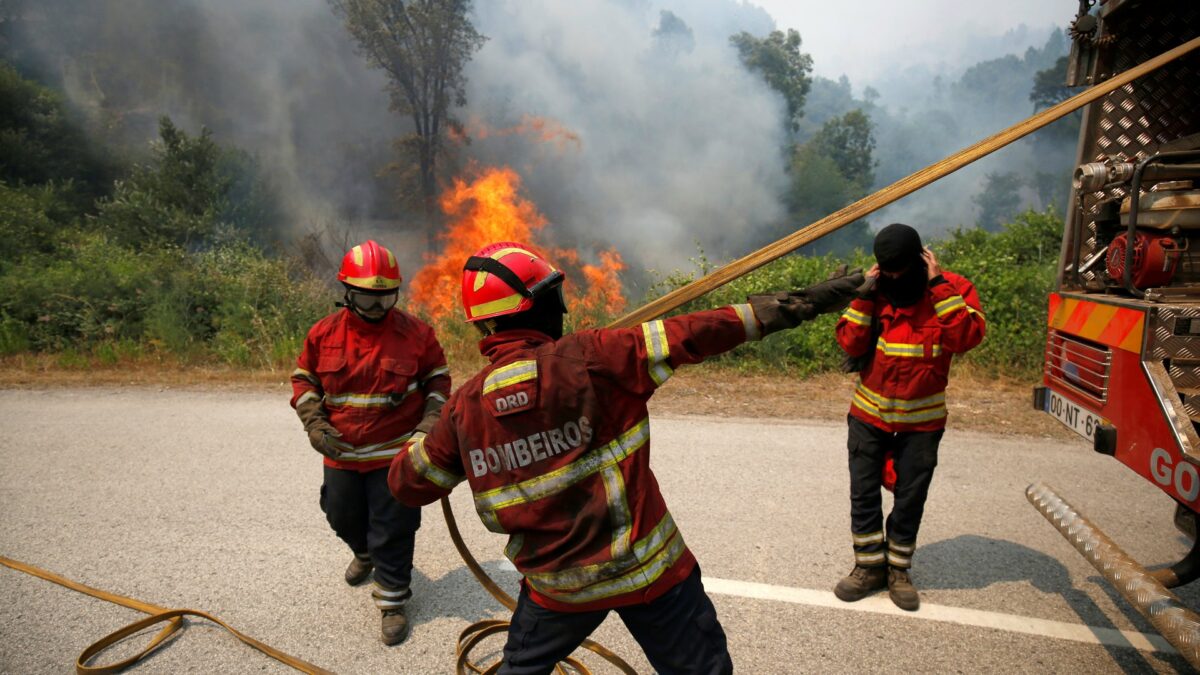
{"x":193,"y":193}
{"x":778,"y":58}
{"x":849,"y":142}
{"x":422,"y":45}
{"x":1049,"y":85}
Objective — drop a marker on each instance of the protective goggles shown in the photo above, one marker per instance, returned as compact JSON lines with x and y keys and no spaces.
{"x":364,"y":301}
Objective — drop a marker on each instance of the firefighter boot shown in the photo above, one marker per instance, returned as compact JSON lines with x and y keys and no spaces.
{"x":395,"y":626}
{"x":359,"y":569}
{"x":861,"y":582}
{"x":901,"y":590}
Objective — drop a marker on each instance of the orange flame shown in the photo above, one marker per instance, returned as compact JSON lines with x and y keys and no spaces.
{"x":488,"y":210}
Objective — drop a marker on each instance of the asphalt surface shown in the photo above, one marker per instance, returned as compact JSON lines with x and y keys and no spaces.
{"x":208,"y":500}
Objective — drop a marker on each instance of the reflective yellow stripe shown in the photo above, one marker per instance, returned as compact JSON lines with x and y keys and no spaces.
{"x":506,"y":376}
{"x":627,"y":583}
{"x":515,"y":543}
{"x":481,"y":276}
{"x":547,"y":484}
{"x":436,"y":372}
{"x":902,"y":549}
{"x":367,"y":400}
{"x":856,"y":317}
{"x":750,"y":322}
{"x":905,"y":350}
{"x":899,"y":417}
{"x":578,"y":577}
{"x":872,"y":538}
{"x":430,"y":471}
{"x":868,"y":558}
{"x":898,"y":561}
{"x":377,"y":282}
{"x":949,"y":305}
{"x":306,"y":375}
{"x":501,"y":305}
{"x":308,"y":396}
{"x":885,"y":403}
{"x":657,"y":350}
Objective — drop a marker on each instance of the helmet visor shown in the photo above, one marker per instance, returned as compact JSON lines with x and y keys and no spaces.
{"x":372,"y":303}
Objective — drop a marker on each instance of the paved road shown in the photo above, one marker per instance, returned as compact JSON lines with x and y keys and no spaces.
{"x":209,"y":500}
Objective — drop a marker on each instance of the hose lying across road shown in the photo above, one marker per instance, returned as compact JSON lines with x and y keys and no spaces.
{"x":172,"y":617}
{"x":476,"y":633}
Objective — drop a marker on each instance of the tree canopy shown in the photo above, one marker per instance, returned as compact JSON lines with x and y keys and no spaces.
{"x":777,"y":57}
{"x":423,"y":46}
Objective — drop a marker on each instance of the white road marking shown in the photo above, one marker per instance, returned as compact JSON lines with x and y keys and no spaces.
{"x":881,"y":604}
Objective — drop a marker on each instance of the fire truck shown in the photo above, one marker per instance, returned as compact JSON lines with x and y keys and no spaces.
{"x":1122,"y":358}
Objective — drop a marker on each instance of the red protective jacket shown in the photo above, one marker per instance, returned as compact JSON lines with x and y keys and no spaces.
{"x":904,"y":387}
{"x":374,"y":379}
{"x":554,"y":439}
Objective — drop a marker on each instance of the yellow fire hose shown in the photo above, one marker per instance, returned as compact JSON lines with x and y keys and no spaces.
{"x":474,"y":634}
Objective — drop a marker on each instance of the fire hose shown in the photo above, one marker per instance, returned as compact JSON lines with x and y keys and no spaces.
{"x":476,"y":633}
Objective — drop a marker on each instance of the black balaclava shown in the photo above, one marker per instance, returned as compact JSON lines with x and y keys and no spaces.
{"x":898,"y":249}
{"x":545,"y":316}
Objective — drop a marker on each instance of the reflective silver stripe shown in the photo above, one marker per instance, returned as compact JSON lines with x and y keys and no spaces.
{"x":658,"y":350}
{"x":949,"y":305}
{"x":872,"y":538}
{"x":436,"y":395}
{"x":350,"y":453}
{"x":547,"y":484}
{"x":308,"y":396}
{"x":367,"y":400}
{"x":430,"y":471}
{"x":856,"y":317}
{"x":577,"y":577}
{"x":506,"y":376}
{"x":750,"y":322}
{"x":436,"y":372}
{"x":902,"y":549}
{"x":627,"y":583}
{"x":898,"y":561}
{"x":515,"y":542}
{"x":618,"y":510}
{"x":868,"y":558}
{"x":389,"y":603}
{"x":381,"y":592}
{"x":491,"y":522}
{"x":306,"y":375}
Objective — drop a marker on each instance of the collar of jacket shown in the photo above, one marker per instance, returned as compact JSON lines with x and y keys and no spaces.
{"x":496,"y":347}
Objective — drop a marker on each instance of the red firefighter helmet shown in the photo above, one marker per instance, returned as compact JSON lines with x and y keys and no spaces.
{"x":370,"y":267}
{"x":505,"y":278}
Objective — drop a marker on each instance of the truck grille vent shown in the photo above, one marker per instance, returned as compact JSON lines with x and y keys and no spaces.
{"x":1079,"y":365}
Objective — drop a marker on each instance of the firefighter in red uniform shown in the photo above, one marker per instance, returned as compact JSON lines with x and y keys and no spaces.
{"x":901,"y":338}
{"x":554,"y":440}
{"x":369,"y":378}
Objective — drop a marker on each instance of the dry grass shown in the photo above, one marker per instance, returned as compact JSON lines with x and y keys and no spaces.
{"x":977,"y":401}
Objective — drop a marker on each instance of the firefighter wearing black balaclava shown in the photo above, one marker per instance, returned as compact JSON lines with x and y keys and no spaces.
{"x":901,"y":338}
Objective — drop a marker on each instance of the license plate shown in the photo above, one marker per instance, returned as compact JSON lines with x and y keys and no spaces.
{"x":1075,"y":417}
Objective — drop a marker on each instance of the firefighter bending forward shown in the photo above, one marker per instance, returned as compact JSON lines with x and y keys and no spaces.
{"x":901,"y":338}
{"x":369,"y":378}
{"x":554,"y":440}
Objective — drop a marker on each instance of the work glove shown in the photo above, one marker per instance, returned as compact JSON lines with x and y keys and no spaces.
{"x":433,"y":412}
{"x":320,"y":432}
{"x":836,"y":292}
{"x":780,"y":311}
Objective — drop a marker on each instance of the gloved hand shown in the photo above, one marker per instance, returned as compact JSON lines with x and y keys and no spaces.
{"x":315,"y":418}
{"x":433,"y":412}
{"x":836,"y":292}
{"x":780,"y":311}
